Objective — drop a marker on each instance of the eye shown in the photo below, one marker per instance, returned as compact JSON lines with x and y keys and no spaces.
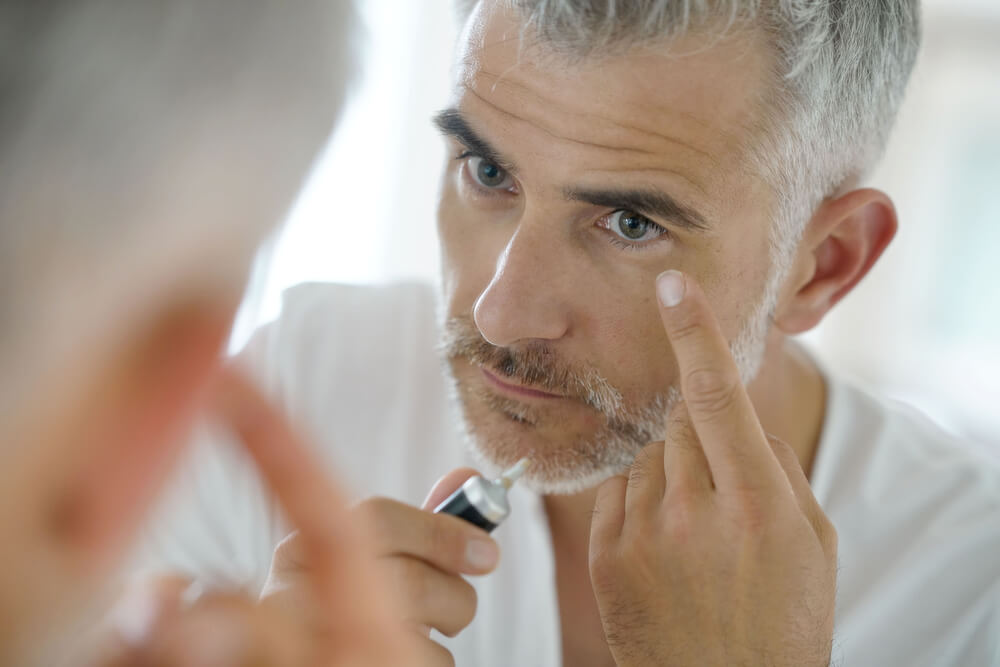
{"x":631,"y":226}
{"x":488,"y":175}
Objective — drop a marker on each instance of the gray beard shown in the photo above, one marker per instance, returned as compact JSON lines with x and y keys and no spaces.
{"x":612,"y":450}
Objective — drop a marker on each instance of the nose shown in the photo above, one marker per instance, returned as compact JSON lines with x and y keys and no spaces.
{"x":527,"y":299}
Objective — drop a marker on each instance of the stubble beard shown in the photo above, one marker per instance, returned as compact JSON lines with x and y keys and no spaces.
{"x":585,"y":462}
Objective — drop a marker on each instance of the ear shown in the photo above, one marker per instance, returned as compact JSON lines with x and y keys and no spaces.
{"x":130,"y":427}
{"x":842,"y":242}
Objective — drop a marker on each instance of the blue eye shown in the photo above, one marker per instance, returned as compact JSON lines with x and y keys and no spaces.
{"x":633,"y":227}
{"x":488,"y":174}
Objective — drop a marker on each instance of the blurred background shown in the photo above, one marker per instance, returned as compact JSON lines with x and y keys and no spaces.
{"x":923,"y":327}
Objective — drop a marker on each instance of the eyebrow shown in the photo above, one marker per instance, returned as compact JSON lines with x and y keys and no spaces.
{"x":451,"y":123}
{"x":652,"y":203}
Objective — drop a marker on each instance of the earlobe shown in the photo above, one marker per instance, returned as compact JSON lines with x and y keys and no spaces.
{"x":845,"y":238}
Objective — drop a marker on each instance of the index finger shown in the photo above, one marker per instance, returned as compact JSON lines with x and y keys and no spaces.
{"x":721,"y":412}
{"x":330,"y":545}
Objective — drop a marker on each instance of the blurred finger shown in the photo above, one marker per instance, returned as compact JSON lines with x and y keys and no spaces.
{"x":289,"y":468}
{"x":353,"y":605}
{"x":228,"y":629}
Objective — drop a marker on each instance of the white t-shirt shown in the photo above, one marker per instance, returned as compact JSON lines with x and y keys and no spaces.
{"x":917,"y":511}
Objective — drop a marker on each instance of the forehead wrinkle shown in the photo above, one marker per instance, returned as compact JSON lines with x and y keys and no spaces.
{"x":638,"y":147}
{"x":615,"y":149}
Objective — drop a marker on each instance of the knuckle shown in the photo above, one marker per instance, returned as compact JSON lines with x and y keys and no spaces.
{"x":753,"y":514}
{"x":635,"y":548}
{"x":446,"y":540}
{"x":604,"y":566}
{"x":462,"y":608}
{"x":373,"y":512}
{"x":680,"y":431}
{"x":710,"y":391}
{"x":681,"y":523}
{"x":375,"y":515}
{"x":650,"y":455}
{"x":413,"y":582}
{"x":687,"y":328}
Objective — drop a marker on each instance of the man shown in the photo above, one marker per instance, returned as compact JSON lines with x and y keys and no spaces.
{"x":644,"y":201}
{"x":145,"y":148}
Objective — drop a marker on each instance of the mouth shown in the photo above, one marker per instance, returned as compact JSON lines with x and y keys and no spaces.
{"x":516,"y":390}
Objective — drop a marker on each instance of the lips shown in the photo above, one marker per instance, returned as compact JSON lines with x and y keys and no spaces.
{"x":516,"y":389}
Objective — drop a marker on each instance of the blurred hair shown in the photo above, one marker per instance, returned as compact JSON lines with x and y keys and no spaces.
{"x":95,"y":97}
{"x":841,"y":71}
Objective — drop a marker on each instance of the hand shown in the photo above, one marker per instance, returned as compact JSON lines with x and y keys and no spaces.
{"x":346,"y":618}
{"x":713,"y":551}
{"x":421,"y":556}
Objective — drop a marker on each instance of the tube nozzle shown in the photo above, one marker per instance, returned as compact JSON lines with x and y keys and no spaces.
{"x":512,"y":474}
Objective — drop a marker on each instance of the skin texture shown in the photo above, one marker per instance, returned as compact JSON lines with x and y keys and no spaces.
{"x":697,"y":541}
{"x":536,"y":270}
{"x":710,"y":549}
{"x":532,"y":268}
{"x":421,"y":555}
{"x":343,"y":615}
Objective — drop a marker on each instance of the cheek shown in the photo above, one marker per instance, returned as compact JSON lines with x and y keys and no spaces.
{"x":633,"y":352}
{"x":471,"y":242}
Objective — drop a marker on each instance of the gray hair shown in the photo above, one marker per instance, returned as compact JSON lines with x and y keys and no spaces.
{"x":94,"y":95}
{"x":842,"y":67}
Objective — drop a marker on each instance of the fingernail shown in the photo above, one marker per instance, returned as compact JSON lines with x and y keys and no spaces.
{"x":670,"y":288}
{"x":481,"y":554}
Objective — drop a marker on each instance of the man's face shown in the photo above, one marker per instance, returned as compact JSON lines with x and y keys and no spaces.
{"x":569,"y":187}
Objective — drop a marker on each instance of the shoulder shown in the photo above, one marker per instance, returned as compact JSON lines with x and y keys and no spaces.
{"x":324,"y":317}
{"x":893,"y":450}
{"x":917,"y":512}
{"x":329,"y":331}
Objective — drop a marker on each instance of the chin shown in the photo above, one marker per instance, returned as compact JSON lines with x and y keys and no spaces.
{"x":567,"y":455}
{"x":573,"y":446}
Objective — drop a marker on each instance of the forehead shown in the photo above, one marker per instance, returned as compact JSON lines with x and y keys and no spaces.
{"x":686,"y":111}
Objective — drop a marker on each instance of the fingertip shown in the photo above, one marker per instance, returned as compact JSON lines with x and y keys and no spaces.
{"x":671,"y":286}
{"x":446,"y":486}
{"x":482,"y":555}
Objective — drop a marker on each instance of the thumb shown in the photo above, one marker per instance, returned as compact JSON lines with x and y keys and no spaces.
{"x":446,"y":486}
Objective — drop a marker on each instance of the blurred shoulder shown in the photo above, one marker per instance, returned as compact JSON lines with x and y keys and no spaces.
{"x":351,"y":329}
{"x":358,"y":369}
{"x":894,"y":446}
{"x":917,"y":512}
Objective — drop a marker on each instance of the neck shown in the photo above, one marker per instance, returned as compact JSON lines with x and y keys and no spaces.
{"x":789,"y":395}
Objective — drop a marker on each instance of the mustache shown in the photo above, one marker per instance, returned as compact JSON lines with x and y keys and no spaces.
{"x":535,"y":366}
